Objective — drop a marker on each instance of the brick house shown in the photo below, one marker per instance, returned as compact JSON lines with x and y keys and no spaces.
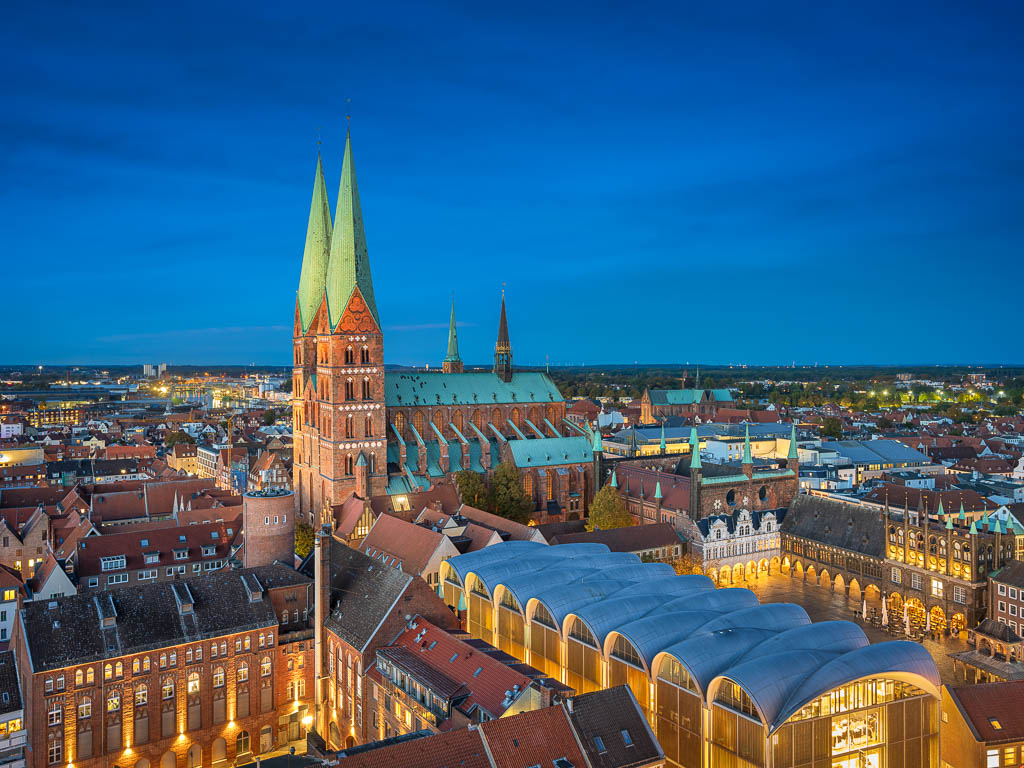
{"x":360,"y":606}
{"x":192,"y":672}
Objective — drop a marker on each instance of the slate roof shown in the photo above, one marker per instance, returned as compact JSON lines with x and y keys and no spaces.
{"x":730,"y":519}
{"x":606,"y":714}
{"x":410,"y":389}
{"x":362,"y":594}
{"x":10,"y":689}
{"x":147,"y":617}
{"x":632,"y":538}
{"x":837,"y":524}
{"x":161,"y":542}
{"x":1012,"y":573}
{"x":533,"y":738}
{"x":876,"y":451}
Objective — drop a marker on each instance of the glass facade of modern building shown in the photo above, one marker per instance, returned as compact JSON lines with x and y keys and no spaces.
{"x":723,"y":680}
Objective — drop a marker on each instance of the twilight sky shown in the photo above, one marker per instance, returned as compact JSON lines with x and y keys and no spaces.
{"x":748,"y":182}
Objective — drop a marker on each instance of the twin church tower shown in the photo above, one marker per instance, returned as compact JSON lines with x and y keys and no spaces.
{"x":345,"y":412}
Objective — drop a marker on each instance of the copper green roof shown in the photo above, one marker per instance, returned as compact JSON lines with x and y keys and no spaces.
{"x":792,"y":443}
{"x":503,"y":344}
{"x":349,"y":265}
{"x":313,"y":276}
{"x":747,"y":458}
{"x":597,"y":446}
{"x":694,"y":449}
{"x":484,"y":389}
{"x":551,"y":451}
{"x":453,"y":339}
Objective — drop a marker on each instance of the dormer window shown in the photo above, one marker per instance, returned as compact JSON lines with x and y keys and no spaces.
{"x":209,"y":550}
{"x":181,"y":554}
{"x":113,"y":563}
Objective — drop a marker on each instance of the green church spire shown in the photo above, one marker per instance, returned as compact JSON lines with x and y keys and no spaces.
{"x":661,"y":445}
{"x":349,"y":265}
{"x":747,"y":458}
{"x":615,"y":480}
{"x":792,"y":443}
{"x":313,"y":276}
{"x":453,"y":339}
{"x":694,"y":449}
{"x":657,"y":490}
{"x":597,"y":445}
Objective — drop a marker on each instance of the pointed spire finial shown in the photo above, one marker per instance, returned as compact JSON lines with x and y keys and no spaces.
{"x":747,"y":458}
{"x":694,"y":449}
{"x":316,"y":253}
{"x":453,"y":338}
{"x":348,"y":267}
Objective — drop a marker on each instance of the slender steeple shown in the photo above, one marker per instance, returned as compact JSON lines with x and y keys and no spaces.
{"x":747,"y":458}
{"x":313,"y":276}
{"x":348,"y":268}
{"x":452,"y":363}
{"x":792,"y":443}
{"x":694,"y":449}
{"x":503,"y":347}
{"x":661,"y":445}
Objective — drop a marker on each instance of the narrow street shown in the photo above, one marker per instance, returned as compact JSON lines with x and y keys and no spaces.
{"x":822,"y":604}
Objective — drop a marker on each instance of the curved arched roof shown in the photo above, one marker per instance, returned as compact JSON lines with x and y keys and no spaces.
{"x":463,"y":564}
{"x":525,"y":585}
{"x":772,"y":651}
{"x":899,"y":659}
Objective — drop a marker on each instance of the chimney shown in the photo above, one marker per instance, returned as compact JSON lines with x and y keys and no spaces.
{"x":322,"y":583}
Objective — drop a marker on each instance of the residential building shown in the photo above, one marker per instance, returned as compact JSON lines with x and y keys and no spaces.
{"x":414,"y":549}
{"x":659,"y":541}
{"x":191,"y":672}
{"x":983,"y":725}
{"x":183,"y":457}
{"x":603,"y":729}
{"x":13,"y":732}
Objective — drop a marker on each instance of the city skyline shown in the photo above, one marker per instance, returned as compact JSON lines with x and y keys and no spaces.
{"x":808,"y":188}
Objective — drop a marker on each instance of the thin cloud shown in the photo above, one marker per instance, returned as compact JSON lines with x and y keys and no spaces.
{"x":191,"y":332}
{"x":427,"y":326}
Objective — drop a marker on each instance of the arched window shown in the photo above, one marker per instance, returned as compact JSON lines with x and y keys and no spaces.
{"x":348,"y":425}
{"x":350,"y":390}
{"x":163,"y":660}
{"x":108,"y":672}
{"x":349,"y":356}
{"x":549,"y":485}
{"x":242,"y":743}
{"x":364,"y":355}
{"x":78,"y":677}
{"x":284,"y":617}
{"x":167,"y":689}
{"x":90,"y":676}
{"x":218,"y":677}
{"x":141,"y":695}
{"x":265,"y":667}
{"x":114,"y":701}
{"x":368,"y":426}
{"x":899,"y":536}
{"x":366,"y":389}
{"x":349,"y":466}
{"x":193,"y":682}
{"x":243,"y":672}
{"x":85,"y":708}
{"x":478,"y":420}
{"x":528,"y":486}
{"x":119,"y":669}
{"x":457,"y":420}
{"x":514,"y":417}
{"x":417,"y":421}
{"x":135,"y":666}
{"x":942,"y":547}
{"x":400,"y":423}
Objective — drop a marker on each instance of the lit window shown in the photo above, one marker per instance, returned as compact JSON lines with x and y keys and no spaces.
{"x":996,"y":725}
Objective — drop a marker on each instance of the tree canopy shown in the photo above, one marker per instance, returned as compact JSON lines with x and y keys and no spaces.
{"x":608,"y":510}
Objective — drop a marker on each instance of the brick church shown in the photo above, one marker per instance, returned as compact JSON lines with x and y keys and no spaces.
{"x":359,"y":431}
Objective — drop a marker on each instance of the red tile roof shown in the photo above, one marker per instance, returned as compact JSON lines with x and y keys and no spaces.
{"x":1002,"y":702}
{"x":407,"y":543}
{"x":538,"y":737}
{"x":163,"y":541}
{"x":462,"y":748}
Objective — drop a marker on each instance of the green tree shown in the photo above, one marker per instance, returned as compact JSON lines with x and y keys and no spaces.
{"x":269,"y":417}
{"x":473,"y":490}
{"x":303,"y":539}
{"x":608,"y":510}
{"x":832,"y":427}
{"x":507,"y":493}
{"x":173,"y":438}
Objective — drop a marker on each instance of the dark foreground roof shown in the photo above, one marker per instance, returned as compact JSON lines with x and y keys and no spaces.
{"x":633,"y":538}
{"x":69,"y":630}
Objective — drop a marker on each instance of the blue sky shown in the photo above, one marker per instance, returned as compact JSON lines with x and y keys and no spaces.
{"x":754,"y":182}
